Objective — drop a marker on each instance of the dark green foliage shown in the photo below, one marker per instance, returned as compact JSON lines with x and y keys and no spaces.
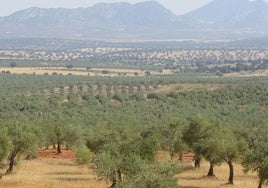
{"x":69,"y":66}
{"x":129,"y":150}
{"x":105,"y":72}
{"x":5,"y":145}
{"x":12,"y":64}
{"x":193,"y":134}
{"x":172,"y":138}
{"x":147,"y":175}
{"x":58,"y":131}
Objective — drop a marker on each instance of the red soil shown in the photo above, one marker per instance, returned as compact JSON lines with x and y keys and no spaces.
{"x":68,"y":154}
{"x":49,"y":153}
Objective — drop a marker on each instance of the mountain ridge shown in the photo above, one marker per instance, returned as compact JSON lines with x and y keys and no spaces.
{"x":144,"y":20}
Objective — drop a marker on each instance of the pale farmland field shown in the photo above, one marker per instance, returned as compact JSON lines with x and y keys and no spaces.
{"x":248,"y":74}
{"x":80,"y":71}
{"x":43,"y":70}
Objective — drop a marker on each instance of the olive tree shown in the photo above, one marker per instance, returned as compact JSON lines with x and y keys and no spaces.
{"x":61,"y":131}
{"x":210,"y":145}
{"x":192,"y":134}
{"x":24,"y":138}
{"x":5,"y":146}
{"x":256,"y":156}
{"x":172,"y":138}
{"x":232,"y":149}
{"x":128,"y":150}
{"x":215,"y":143}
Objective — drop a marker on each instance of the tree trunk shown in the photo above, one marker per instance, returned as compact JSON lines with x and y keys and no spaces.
{"x":260,"y":183}
{"x":119,"y":175}
{"x":211,"y":170}
{"x":59,"y":147}
{"x":197,"y":160}
{"x":11,"y":162}
{"x":172,"y":155}
{"x":28,"y":157}
{"x":180,"y":157}
{"x":117,"y":179}
{"x":114,"y":184}
{"x":231,"y":173}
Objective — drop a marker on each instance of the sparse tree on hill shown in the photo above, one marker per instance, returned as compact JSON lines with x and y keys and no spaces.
{"x":12,"y":65}
{"x":69,"y":66}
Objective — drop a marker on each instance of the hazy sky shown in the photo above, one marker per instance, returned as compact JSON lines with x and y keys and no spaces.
{"x":9,"y":6}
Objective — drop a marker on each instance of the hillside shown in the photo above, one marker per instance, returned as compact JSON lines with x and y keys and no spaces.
{"x":237,"y":14}
{"x":141,"y":21}
{"x":99,"y":21}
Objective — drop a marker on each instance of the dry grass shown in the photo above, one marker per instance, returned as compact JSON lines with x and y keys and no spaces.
{"x":247,"y":74}
{"x":196,"y":178}
{"x":66,"y":173}
{"x":42,"y":71}
{"x":51,"y":173}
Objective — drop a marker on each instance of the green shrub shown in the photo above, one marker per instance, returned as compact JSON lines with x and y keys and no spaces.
{"x":83,"y":154}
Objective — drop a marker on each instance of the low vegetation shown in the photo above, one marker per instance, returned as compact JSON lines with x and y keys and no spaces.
{"x":117,"y":126}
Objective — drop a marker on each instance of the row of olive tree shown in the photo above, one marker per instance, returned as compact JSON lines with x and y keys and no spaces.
{"x":124,"y":154}
{"x":218,"y":144}
{"x":131,"y":150}
{"x":24,"y":137}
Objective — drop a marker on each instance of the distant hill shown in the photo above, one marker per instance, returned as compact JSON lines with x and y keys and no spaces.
{"x":115,"y":20}
{"x":147,"y":20}
{"x":234,"y":14}
{"x":49,"y":44}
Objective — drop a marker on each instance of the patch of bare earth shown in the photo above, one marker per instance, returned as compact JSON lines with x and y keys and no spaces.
{"x":196,"y":178}
{"x":49,"y":153}
{"x":248,"y":74}
{"x":52,"y":170}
